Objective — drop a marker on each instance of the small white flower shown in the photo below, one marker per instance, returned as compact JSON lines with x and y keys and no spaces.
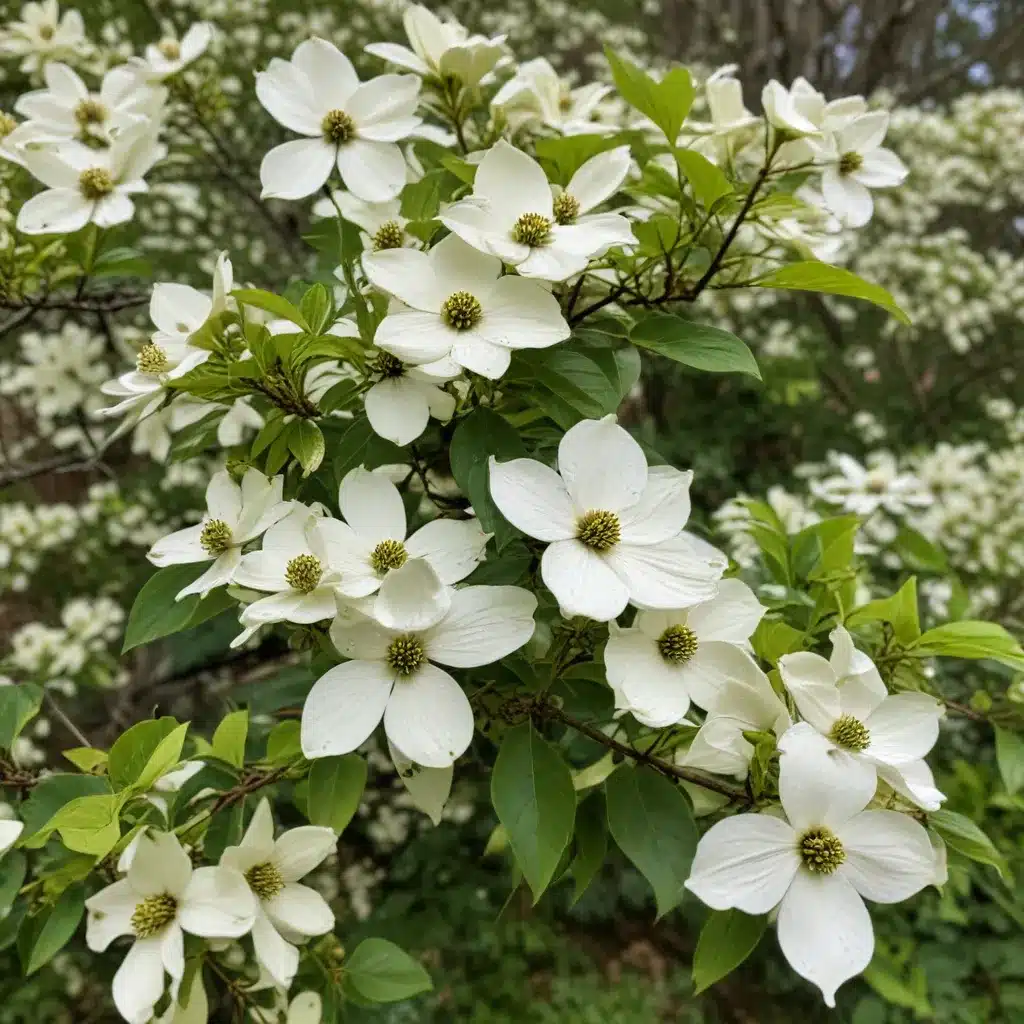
{"x":10,"y":831}
{"x":382,"y":223}
{"x":271,"y":869}
{"x":537,"y":94}
{"x":865,"y":490}
{"x":441,"y":48}
{"x":725,"y":102}
{"x":392,"y":676}
{"x":817,"y":865}
{"x":235,"y":515}
{"x":159,"y":899}
{"x":42,"y":35}
{"x":405,"y":397}
{"x":782,"y":111}
{"x":453,"y":305}
{"x":614,"y":528}
{"x":88,"y":185}
{"x":668,"y":658}
{"x":513,"y":215}
{"x":170,"y":55}
{"x":868,"y":730}
{"x":354,"y":126}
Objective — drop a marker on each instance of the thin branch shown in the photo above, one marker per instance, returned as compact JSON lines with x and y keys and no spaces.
{"x":58,"y":712}
{"x":103,"y":303}
{"x":58,"y":464}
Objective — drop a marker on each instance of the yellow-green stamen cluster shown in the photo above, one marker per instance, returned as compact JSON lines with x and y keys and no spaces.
{"x":850,"y":162}
{"x":95,"y":183}
{"x":461,"y":310}
{"x":567,"y":208}
{"x":388,"y":366}
{"x":152,"y":359}
{"x":89,"y":112}
{"x":337,"y":126}
{"x":216,"y":537}
{"x":153,"y":914}
{"x":405,"y":655}
{"x":304,"y":573}
{"x":678,"y":644}
{"x":850,"y":733}
{"x":388,"y":236}
{"x":169,"y":48}
{"x":388,"y":554}
{"x":46,"y":32}
{"x":821,"y":850}
{"x":599,"y":530}
{"x":265,"y":880}
{"x":7,"y":125}
{"x":532,"y":229}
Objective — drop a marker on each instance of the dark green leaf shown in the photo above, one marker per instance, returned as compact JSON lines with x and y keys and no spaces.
{"x":315,"y":308}
{"x":335,"y":788}
{"x":590,"y":843}
{"x":698,"y":345}
{"x":726,"y":940}
{"x":814,"y":276}
{"x":1010,"y":758}
{"x":134,"y":748}
{"x":48,"y":933}
{"x":19,"y":704}
{"x":562,"y":156}
{"x":306,"y":443}
{"x":380,"y":972}
{"x":226,"y":829}
{"x":961,"y":834}
{"x":421,"y":199}
{"x":13,"y":866}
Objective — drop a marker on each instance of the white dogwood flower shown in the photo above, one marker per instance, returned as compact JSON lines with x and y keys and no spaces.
{"x":43,"y":34}
{"x":354,"y":126}
{"x":670,"y":657}
{"x":404,"y":397}
{"x":537,"y":93}
{"x":817,"y":865}
{"x":10,"y":832}
{"x":86,"y":185}
{"x":452,"y":304}
{"x":382,"y":223}
{"x":272,"y":869}
{"x":393,"y":677}
{"x":159,"y":899}
{"x":869,"y":730}
{"x":783,"y":111}
{"x":724,"y":94}
{"x":170,"y":55}
{"x":441,"y":48}
{"x":614,"y":527}
{"x":178,"y":310}
{"x":866,"y":489}
{"x":235,"y":515}
{"x":513,"y":215}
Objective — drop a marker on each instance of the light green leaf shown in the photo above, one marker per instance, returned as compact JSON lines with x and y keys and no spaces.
{"x":590,"y":843}
{"x":284,"y":743}
{"x":133,"y":749}
{"x":899,"y":610}
{"x":164,"y":757}
{"x":666,"y":102}
{"x":380,"y":972}
{"x":1010,"y":758}
{"x":229,"y":738}
{"x":335,"y":788}
{"x":774,"y":638}
{"x":698,"y":345}
{"x":961,"y":834}
{"x":824,"y":547}
{"x":726,"y":940}
{"x":89,"y":824}
{"x":650,"y":820}
{"x":306,"y":443}
{"x":533,"y":796}
{"x":708,"y":181}
{"x":48,"y":796}
{"x":315,"y":308}
{"x":19,"y":704}
{"x":45,"y":935}
{"x":918,"y":552}
{"x":271,"y":303}
{"x":421,"y":199}
{"x":815,"y":276}
{"x":971,"y":638}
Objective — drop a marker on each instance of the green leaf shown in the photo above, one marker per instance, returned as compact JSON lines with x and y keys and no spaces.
{"x":271,"y":303}
{"x":19,"y":704}
{"x":824,"y":547}
{"x":13,"y":867}
{"x":229,"y":738}
{"x":815,"y":276}
{"x":970,"y":638}
{"x":726,"y":940}
{"x":774,"y":638}
{"x":164,"y":757}
{"x":89,"y":824}
{"x":315,"y":308}
{"x":899,"y":610}
{"x":961,"y":834}
{"x":358,"y":445}
{"x":156,"y":613}
{"x":284,"y":743}
{"x":49,"y":795}
{"x":698,"y":345}
{"x":306,"y":443}
{"x":421,"y":199}
{"x":380,"y":972}
{"x":590,"y":843}
{"x":708,"y":181}
{"x":533,"y":796}
{"x":122,"y":261}
{"x":226,"y":829}
{"x":666,"y":102}
{"x":462,"y":169}
{"x":918,"y":552}
{"x":274,"y":425}
{"x":335,"y":788}
{"x":194,"y":439}
{"x":49,"y":932}
{"x":133,"y":749}
{"x":562,"y":156}
{"x":87,"y":759}
{"x":650,"y":820}
{"x":1010,"y":758}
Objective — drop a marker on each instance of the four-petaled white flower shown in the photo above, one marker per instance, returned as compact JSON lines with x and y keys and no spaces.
{"x":170,"y":55}
{"x":614,"y":528}
{"x":392,"y":677}
{"x":536,"y":93}
{"x":272,"y":869}
{"x":452,"y":304}
{"x":871,"y":732}
{"x":159,"y":899}
{"x":668,"y":658}
{"x":179,"y":310}
{"x":43,"y":34}
{"x":235,"y":515}
{"x":382,"y":223}
{"x":404,"y":397}
{"x":817,"y":865}
{"x":865,"y":489}
{"x":441,"y":48}
{"x":354,"y":126}
{"x":513,"y":215}
{"x":87,"y":185}
{"x":783,"y":112}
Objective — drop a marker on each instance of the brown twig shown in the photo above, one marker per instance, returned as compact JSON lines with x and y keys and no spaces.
{"x":110,"y":302}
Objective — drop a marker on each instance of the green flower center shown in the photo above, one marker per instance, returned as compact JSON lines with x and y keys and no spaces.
{"x":216,"y":537}
{"x":169,"y":48}
{"x":90,"y":112}
{"x":532,"y":229}
{"x":388,"y":236}
{"x":7,"y":125}
{"x":153,"y":914}
{"x":304,"y":573}
{"x":567,"y":208}
{"x":850,"y":162}
{"x":95,"y":183}
{"x":849,"y":732}
{"x":821,"y":850}
{"x":405,"y":655}
{"x":265,"y":880}
{"x":388,"y":366}
{"x":388,"y":554}
{"x":598,"y":530}
{"x":337,"y":126}
{"x":46,"y":32}
{"x":678,"y":644}
{"x":152,"y":359}
{"x":462,"y":311}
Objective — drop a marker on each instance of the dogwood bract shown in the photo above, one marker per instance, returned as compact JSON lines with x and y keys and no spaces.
{"x":614,"y":528}
{"x":404,"y":397}
{"x":382,"y":223}
{"x":170,"y":55}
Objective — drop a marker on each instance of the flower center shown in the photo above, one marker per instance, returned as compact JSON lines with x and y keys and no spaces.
{"x":95,"y":183}
{"x":388,"y":554}
{"x":565,"y":102}
{"x":532,"y":229}
{"x":405,"y":655}
{"x":849,"y":732}
{"x":152,"y":359}
{"x":821,"y":850}
{"x":388,"y":236}
{"x":678,"y":644}
{"x":153,"y":914}
{"x":599,"y":531}
{"x":169,"y":48}
{"x":567,"y":208}
{"x":265,"y":880}
{"x":337,"y":126}
{"x":388,"y":366}
{"x":46,"y":32}
{"x":461,"y":310}
{"x":90,"y":112}
{"x":304,"y":573}
{"x":216,"y":537}
{"x":7,"y":125}
{"x":850,"y":162}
